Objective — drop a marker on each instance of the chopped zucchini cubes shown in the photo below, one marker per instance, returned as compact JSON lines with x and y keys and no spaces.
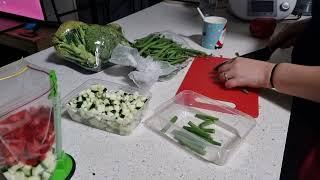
{"x":108,"y":104}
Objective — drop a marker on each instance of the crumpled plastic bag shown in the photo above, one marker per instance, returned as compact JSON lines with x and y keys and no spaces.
{"x":147,"y":70}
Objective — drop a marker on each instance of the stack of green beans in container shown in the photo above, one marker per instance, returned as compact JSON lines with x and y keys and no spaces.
{"x":161,"y":48}
{"x":200,"y":130}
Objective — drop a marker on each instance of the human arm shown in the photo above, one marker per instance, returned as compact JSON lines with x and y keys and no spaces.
{"x":295,"y":80}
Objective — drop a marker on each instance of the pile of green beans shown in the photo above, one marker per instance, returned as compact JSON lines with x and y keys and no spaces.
{"x":201,"y":131}
{"x":164,"y":49}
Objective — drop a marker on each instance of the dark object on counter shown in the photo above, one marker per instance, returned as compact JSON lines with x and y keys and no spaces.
{"x":263,"y":54}
{"x":262,"y":28}
{"x":303,"y":8}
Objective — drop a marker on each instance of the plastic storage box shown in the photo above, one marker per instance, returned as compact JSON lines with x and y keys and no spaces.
{"x":230,"y":129}
{"x":27,"y":130}
{"x":102,"y":121}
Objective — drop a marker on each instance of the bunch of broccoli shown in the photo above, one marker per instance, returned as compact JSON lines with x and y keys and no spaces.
{"x":88,"y":45}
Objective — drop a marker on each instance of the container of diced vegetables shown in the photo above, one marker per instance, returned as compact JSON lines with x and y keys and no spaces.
{"x":30,"y":139}
{"x":107,"y":106}
{"x":205,"y":127}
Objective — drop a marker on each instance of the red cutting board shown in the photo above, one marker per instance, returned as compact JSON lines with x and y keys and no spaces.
{"x":200,"y":79}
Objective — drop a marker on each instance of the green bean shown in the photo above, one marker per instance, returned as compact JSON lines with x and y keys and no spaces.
{"x":201,"y":133}
{"x":147,"y":46}
{"x":145,"y":43}
{"x":167,"y":126}
{"x":213,"y":142}
{"x":209,"y":130}
{"x":163,"y":50}
{"x":141,"y":41}
{"x":195,"y":51}
{"x":196,"y":130}
{"x":189,"y":136}
{"x":205,"y":124}
{"x":178,"y":61}
{"x":206,"y":117}
{"x":189,"y":141}
{"x":190,"y":144}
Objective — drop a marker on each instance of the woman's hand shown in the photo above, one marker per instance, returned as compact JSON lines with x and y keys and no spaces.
{"x":243,"y":72}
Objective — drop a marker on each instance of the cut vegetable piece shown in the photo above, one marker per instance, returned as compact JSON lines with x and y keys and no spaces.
{"x":168,"y":125}
{"x":49,"y":160}
{"x":189,"y":143}
{"x":13,"y":169}
{"x":46,"y":175}
{"x":19,"y":176}
{"x":34,"y":178}
{"x":206,"y":117}
{"x":36,"y":171}
{"x":27,"y":170}
{"x":205,"y":124}
{"x":190,"y":137}
{"x":197,"y":131}
{"x":201,"y":133}
{"x":209,"y":130}
{"x":8,"y":175}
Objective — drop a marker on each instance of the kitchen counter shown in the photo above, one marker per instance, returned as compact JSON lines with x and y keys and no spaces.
{"x":144,"y":154}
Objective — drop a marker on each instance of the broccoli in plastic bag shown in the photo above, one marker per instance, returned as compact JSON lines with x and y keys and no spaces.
{"x":88,"y":45}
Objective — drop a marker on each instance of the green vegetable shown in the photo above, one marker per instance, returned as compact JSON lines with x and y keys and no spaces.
{"x":173,"y":120}
{"x":209,"y":130}
{"x":189,"y":142}
{"x":206,"y":117}
{"x":163,"y":49}
{"x":81,"y":42}
{"x":196,"y":130}
{"x":205,"y":124}
{"x":201,"y":133}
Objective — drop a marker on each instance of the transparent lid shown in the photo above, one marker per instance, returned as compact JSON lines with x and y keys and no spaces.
{"x":22,"y":83}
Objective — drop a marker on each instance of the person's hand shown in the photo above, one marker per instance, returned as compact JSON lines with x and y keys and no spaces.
{"x":287,"y":37}
{"x":243,"y":72}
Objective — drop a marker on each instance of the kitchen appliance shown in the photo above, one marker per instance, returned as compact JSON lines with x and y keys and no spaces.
{"x":252,"y":9}
{"x":303,"y":7}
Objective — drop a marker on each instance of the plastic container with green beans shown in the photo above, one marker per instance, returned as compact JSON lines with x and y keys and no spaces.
{"x":201,"y":126}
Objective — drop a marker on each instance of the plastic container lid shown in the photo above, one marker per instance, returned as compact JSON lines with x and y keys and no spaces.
{"x":217,"y":140}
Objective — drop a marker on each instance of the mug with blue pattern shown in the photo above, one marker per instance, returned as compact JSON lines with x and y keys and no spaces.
{"x":213,"y":32}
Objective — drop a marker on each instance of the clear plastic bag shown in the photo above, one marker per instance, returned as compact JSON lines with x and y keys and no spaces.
{"x":27,"y":130}
{"x":88,"y":45}
{"x":148,"y":71}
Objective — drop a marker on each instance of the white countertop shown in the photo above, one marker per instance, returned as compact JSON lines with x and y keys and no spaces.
{"x":144,"y":154}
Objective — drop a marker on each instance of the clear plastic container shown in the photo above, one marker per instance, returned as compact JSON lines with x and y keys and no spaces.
{"x":27,"y":126}
{"x":230,"y":130}
{"x":101,"y":121}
